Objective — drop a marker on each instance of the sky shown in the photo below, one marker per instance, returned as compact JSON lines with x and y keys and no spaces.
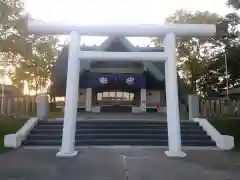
{"x":121,"y":12}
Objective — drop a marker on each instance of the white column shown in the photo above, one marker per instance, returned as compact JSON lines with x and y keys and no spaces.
{"x":88,"y":98}
{"x":193,"y":106}
{"x":143,"y":93}
{"x":70,"y":112}
{"x":174,"y":135}
{"x":42,"y":106}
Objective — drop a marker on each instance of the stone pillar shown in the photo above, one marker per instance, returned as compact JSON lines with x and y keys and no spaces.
{"x":88,"y":100}
{"x":42,"y":106}
{"x":174,"y":135}
{"x":143,"y":94}
{"x":193,"y":106}
{"x":71,"y":101}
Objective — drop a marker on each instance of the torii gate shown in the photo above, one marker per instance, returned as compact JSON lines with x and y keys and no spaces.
{"x":169,"y":32}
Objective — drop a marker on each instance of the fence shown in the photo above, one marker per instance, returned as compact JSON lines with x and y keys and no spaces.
{"x":213,"y":107}
{"x":26,"y":105}
{"x":19,"y":106}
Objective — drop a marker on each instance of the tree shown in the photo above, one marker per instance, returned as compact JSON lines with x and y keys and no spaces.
{"x":45,"y":52}
{"x":229,"y":48}
{"x":29,"y":58}
{"x":193,"y":52}
{"x":36,"y":70}
{"x":234,"y":3}
{"x":12,"y":28}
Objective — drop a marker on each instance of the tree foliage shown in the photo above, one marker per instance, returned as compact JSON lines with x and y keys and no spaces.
{"x":234,"y":3}
{"x":37,"y":70}
{"x":29,"y":58}
{"x":215,"y":78}
{"x":12,"y":28}
{"x":202,"y":62}
{"x":193,"y":52}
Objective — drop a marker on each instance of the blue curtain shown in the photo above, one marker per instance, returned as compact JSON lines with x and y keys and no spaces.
{"x":100,"y":79}
{"x":136,"y":81}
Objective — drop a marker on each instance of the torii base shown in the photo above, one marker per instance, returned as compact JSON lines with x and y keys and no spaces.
{"x":62,"y":154}
{"x":180,"y":154}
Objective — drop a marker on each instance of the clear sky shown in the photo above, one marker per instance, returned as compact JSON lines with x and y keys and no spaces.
{"x":117,"y":12}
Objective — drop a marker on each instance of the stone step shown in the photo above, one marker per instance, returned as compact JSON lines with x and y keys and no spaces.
{"x":117,"y":122}
{"x":116,"y":131}
{"x":115,"y":126}
{"x":117,"y":136}
{"x":110,"y":142}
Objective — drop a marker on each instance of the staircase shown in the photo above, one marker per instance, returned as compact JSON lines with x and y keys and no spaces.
{"x":110,"y":132}
{"x":116,"y":109}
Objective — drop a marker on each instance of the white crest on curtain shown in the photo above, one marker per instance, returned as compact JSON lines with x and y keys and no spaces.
{"x":130,"y":80}
{"x":103,"y":80}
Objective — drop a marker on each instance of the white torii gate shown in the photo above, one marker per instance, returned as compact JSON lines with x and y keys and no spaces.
{"x":169,"y":32}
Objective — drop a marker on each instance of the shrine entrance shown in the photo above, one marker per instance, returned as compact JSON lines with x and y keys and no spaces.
{"x":115,"y":101}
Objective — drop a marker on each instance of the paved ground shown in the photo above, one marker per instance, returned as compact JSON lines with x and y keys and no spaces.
{"x":118,"y":164}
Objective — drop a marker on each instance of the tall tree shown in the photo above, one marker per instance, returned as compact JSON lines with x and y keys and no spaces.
{"x":229,"y":48}
{"x":29,"y":58}
{"x":193,"y":52}
{"x":12,"y":28}
{"x":234,"y":3}
{"x":36,"y":70}
{"x":12,"y":33}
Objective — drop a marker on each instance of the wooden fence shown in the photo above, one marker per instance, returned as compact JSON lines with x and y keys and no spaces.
{"x":213,"y":107}
{"x":18,"y":106}
{"x":27,"y":105}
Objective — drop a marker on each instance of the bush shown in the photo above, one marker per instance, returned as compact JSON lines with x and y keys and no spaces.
{"x":229,"y":126}
{"x":9,"y":125}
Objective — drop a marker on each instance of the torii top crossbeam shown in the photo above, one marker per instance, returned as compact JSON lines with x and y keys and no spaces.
{"x":180,"y":30}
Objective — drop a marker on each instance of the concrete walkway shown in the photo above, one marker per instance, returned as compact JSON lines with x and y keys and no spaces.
{"x":119,"y":164}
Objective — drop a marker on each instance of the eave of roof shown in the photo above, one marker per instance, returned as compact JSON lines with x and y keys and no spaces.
{"x":107,"y":43}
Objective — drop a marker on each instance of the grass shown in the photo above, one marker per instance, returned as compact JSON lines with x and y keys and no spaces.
{"x":9,"y":125}
{"x":54,"y":115}
{"x":184,"y":116}
{"x":229,"y":126}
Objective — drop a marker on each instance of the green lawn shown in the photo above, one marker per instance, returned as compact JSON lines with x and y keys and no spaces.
{"x":229,"y":126}
{"x":54,"y":115}
{"x":184,"y":116}
{"x":9,"y":125}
